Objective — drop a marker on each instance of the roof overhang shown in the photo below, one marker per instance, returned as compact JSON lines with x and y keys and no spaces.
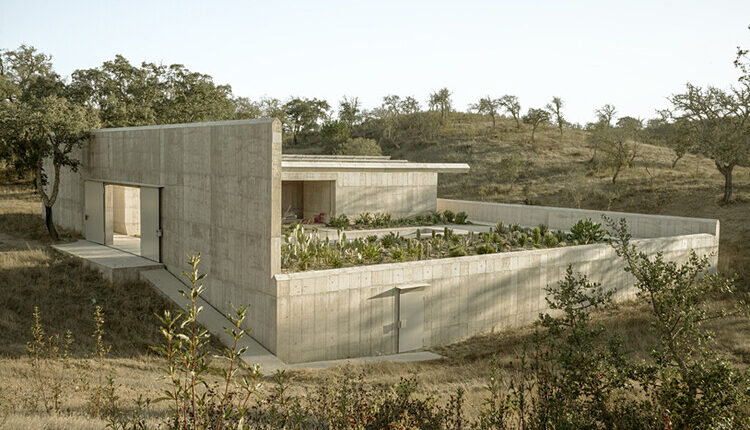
{"x":371,"y":166}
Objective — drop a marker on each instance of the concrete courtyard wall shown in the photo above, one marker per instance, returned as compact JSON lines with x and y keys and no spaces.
{"x":350,"y":312}
{"x":640,"y":225}
{"x":221,"y":190}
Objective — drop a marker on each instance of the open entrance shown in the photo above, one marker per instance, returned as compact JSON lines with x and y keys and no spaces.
{"x":125,"y":217}
{"x":124,"y":230}
{"x":309,"y":201}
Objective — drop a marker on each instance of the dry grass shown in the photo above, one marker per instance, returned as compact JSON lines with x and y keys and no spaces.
{"x":556,"y":173}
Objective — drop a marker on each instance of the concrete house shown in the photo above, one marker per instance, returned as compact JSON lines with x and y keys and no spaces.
{"x":224,"y":188}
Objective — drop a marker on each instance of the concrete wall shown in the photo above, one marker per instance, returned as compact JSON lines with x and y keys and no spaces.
{"x":291,"y":198}
{"x":399,"y":193}
{"x":351,"y":312}
{"x":317,"y":198}
{"x":126,"y":210}
{"x":220,"y":197}
{"x":640,"y":225}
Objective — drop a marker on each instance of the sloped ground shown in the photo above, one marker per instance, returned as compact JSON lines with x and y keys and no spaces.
{"x":554,"y":171}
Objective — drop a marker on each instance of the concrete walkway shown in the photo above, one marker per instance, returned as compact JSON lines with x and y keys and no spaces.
{"x":114,"y":264}
{"x":117,"y":265}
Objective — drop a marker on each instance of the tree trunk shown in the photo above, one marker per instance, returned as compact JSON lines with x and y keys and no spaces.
{"x":518,"y":123}
{"x":674,"y":162}
{"x":726,"y":170}
{"x":493,"y":121}
{"x":533,"y":130}
{"x":727,"y":185}
{"x":614,"y":177}
{"x":50,"y":224}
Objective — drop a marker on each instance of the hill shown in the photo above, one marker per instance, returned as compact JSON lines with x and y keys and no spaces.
{"x":505,"y":167}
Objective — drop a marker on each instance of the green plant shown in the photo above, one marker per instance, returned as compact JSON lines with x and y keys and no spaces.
{"x":397,"y":254}
{"x":390,"y":240}
{"x":449,"y":216}
{"x":462,"y":217}
{"x":457,"y":251}
{"x":536,"y":236}
{"x":485,"y":249}
{"x":586,"y":231}
{"x":340,"y":221}
{"x":193,"y":402}
{"x":550,"y":241}
{"x":689,"y":385}
{"x":363,"y":219}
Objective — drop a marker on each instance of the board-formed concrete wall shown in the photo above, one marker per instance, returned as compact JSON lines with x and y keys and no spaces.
{"x":401,"y":194}
{"x":220,"y":196}
{"x":640,"y":225}
{"x":350,"y":312}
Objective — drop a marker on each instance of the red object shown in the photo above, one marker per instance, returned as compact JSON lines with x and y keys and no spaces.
{"x":319,"y":218}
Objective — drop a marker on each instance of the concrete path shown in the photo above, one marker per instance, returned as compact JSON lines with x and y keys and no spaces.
{"x":113,"y":264}
{"x":405,"y":357}
{"x":117,"y":265}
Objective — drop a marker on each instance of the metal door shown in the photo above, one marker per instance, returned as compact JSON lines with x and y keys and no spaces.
{"x":150,"y":226}
{"x":93,"y":219}
{"x":410,"y":319}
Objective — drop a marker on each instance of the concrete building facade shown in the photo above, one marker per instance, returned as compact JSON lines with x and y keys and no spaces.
{"x":223,"y":188}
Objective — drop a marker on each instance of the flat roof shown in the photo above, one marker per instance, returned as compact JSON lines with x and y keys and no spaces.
{"x":376,"y":165}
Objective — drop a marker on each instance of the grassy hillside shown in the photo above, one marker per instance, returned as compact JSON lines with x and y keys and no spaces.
{"x":553,"y":171}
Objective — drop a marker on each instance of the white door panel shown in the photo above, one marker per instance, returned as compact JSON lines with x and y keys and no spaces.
{"x":150,"y":226}
{"x":94,"y":211}
{"x":410,"y":319}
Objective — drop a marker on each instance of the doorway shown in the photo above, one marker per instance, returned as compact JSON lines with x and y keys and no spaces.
{"x":124,"y":210}
{"x":125,"y":217}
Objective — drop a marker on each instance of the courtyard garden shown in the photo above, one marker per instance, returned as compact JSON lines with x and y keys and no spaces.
{"x":304,"y":250}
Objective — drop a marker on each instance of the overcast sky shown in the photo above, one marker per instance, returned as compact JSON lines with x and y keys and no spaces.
{"x":631,"y":54}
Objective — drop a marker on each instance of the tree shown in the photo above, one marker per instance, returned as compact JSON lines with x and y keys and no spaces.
{"x":511,"y":104}
{"x":606,"y":114}
{"x":441,"y":100}
{"x":305,"y":115}
{"x":619,"y":143}
{"x":535,"y":117}
{"x":674,"y":134}
{"x":555,"y":107}
{"x":19,"y":67}
{"x":719,"y":124}
{"x":487,"y":106}
{"x":244,"y":108}
{"x":127,"y":95}
{"x":51,"y":128}
{"x":334,"y":133}
{"x":350,"y":112}
{"x":409,"y":105}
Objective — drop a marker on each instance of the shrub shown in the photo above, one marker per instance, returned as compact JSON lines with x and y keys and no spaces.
{"x":359,"y":146}
{"x":449,"y":216}
{"x":550,"y":241}
{"x":341,"y":221}
{"x":457,"y":251}
{"x":586,"y":231}
{"x":689,"y":384}
{"x":462,"y":217}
